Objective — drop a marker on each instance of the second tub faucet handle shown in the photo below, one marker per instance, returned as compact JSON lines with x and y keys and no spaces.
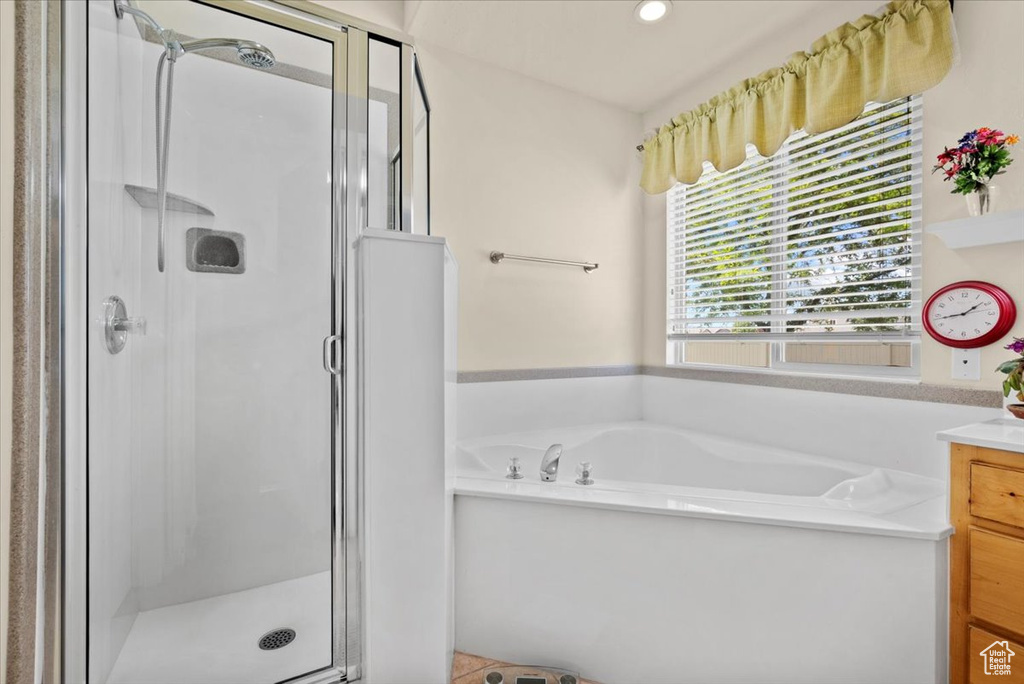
{"x":584,"y":470}
{"x":515,"y":469}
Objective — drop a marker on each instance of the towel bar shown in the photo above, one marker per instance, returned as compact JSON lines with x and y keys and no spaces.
{"x":496,"y":258}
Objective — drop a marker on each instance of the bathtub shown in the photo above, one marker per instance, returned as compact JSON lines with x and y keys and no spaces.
{"x":658,"y":469}
{"x":698,"y":558}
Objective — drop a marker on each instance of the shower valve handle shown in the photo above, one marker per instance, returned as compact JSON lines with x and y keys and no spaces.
{"x":117,"y":324}
{"x":135,"y":326}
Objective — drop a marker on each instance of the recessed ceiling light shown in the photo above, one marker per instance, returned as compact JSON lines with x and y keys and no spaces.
{"x":650,"y":11}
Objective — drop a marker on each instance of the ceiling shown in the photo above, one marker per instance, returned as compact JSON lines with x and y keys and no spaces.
{"x":596,"y":47}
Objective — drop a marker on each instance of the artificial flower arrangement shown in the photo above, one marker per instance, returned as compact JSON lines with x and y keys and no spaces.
{"x":979,"y":157}
{"x":1014,"y":370}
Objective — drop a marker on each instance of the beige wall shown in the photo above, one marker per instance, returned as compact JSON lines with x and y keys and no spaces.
{"x":528,"y":168}
{"x":515,"y":167}
{"x":6,"y":227}
{"x":985,"y":89}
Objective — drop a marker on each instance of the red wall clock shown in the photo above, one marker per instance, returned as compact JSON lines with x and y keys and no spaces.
{"x":969,"y":314}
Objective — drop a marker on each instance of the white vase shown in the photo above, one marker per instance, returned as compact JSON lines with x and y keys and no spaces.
{"x":980,"y":201}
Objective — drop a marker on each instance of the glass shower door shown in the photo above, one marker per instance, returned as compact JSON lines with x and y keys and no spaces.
{"x":212,"y":419}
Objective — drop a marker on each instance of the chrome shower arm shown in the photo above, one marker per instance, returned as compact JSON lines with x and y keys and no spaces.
{"x":168,"y":37}
{"x":122,"y":6}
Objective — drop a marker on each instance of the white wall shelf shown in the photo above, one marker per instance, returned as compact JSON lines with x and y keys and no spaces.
{"x":976,"y":231}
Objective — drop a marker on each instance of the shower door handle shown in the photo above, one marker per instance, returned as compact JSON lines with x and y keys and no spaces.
{"x":329,"y":366}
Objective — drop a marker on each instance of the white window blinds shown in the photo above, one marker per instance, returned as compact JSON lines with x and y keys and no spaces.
{"x":821,"y":240}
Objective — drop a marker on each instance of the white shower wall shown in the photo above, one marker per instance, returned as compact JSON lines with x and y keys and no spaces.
{"x":115,"y":82}
{"x":209,"y":450}
{"x":234,"y":476}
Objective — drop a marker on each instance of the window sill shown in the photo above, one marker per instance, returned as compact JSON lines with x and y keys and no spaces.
{"x":819,"y":373}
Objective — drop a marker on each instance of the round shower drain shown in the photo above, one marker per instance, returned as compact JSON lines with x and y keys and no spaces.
{"x":277,"y":638}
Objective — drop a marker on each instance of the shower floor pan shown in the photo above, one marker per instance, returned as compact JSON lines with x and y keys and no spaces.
{"x":217,"y":640}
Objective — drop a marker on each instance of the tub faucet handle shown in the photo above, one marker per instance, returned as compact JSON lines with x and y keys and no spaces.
{"x":549,"y":466}
{"x":515,"y":469}
{"x":584,"y":470}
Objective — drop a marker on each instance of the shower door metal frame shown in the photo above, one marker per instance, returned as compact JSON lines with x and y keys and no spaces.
{"x":350,"y":37}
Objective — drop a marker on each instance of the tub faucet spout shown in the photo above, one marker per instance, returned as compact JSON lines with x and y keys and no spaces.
{"x":549,"y":466}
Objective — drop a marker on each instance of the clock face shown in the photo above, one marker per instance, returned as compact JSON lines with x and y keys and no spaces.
{"x":969,"y":314}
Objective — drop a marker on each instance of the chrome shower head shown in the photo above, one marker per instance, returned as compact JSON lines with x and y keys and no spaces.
{"x":249,"y":52}
{"x":256,"y":56}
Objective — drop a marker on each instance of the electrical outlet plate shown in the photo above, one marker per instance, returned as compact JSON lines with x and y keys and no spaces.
{"x":966,"y":364}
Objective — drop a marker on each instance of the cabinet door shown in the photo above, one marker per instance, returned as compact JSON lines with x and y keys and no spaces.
{"x":997,"y":582}
{"x":997,"y":494}
{"x":979,"y":667}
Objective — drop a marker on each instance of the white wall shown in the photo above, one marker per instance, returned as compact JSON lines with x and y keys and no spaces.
{"x":528,"y":168}
{"x":980,"y":91}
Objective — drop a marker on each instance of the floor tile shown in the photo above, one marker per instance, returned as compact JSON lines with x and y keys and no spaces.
{"x":466,"y":663}
{"x":478,"y":676}
{"x":470,"y":669}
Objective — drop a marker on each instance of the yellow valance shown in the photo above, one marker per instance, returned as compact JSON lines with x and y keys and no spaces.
{"x":904,"y":51}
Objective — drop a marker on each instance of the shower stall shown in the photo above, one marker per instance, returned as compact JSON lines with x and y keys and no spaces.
{"x":223,"y":158}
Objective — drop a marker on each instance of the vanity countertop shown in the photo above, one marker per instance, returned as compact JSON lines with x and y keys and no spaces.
{"x":1002,"y":433}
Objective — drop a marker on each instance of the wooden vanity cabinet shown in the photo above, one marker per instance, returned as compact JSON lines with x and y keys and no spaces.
{"x":986,"y":561}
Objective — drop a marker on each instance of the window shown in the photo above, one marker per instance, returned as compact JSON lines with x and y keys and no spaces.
{"x":808,"y":260}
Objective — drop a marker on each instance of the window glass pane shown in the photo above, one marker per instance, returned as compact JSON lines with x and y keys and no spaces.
{"x":820,"y":240}
{"x":384,"y":129}
{"x":421,"y":158}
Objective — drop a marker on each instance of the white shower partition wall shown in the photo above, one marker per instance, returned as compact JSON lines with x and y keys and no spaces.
{"x":212,"y":442}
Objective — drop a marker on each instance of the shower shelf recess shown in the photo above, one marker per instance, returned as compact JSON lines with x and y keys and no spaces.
{"x":146,"y":198}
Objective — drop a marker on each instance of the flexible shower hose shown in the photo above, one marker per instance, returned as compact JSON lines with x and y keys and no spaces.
{"x":163,"y":134}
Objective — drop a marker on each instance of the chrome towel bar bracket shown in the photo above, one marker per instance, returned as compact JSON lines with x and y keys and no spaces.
{"x":497,"y":257}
